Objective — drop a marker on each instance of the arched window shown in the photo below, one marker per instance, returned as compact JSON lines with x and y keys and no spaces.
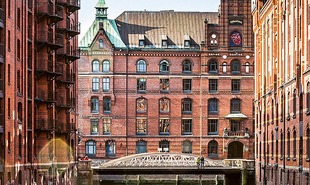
{"x":294,"y":103}
{"x":235,"y":106}
{"x":288,"y":144}
{"x":164,"y":146}
{"x":235,"y":67}
{"x":212,"y":149}
{"x":95,"y":84}
{"x":90,"y":148}
{"x":294,"y":145}
{"x":187,"y":147}
{"x":141,"y":66}
{"x":213,"y":106}
{"x":308,"y":98}
{"x":141,"y":105}
{"x":141,"y":147}
{"x":94,"y":105}
{"x":187,"y":66}
{"x":106,"y":105}
{"x":164,"y":66}
{"x":272,"y":144}
{"x":308,"y":144}
{"x":110,"y":148}
{"x":164,"y":105}
{"x":288,"y":105}
{"x":247,"y":67}
{"x":106,"y":66}
{"x":18,"y":83}
{"x":100,"y":43}
{"x":212,"y":66}
{"x":187,"y":106}
{"x":95,"y":66}
{"x":224,"y":67}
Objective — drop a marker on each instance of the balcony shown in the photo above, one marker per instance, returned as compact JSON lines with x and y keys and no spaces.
{"x":69,"y":53}
{"x":2,"y":18}
{"x":240,"y":133}
{"x":62,"y":102}
{"x":30,"y":5}
{"x":48,"y":68}
{"x":1,"y":168}
{"x":1,"y":123}
{"x":42,"y":124}
{"x":63,"y":127}
{"x":46,"y":38}
{"x":1,"y":88}
{"x":43,"y":96}
{"x":46,"y":9}
{"x":29,"y":33}
{"x":73,"y":5}
{"x":66,"y":26}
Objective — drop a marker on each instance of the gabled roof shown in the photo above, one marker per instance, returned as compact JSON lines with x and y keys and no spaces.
{"x":155,"y":25}
{"x":110,"y":29}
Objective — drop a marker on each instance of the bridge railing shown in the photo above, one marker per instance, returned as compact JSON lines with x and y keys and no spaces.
{"x":240,"y":163}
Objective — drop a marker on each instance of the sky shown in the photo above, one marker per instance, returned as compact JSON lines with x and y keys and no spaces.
{"x":116,"y":7}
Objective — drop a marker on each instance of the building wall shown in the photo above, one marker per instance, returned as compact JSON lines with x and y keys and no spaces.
{"x":37,"y":95}
{"x":124,"y":95}
{"x":281,"y":95}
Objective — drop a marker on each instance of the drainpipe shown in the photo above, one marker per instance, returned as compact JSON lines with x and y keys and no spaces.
{"x":127,"y":101}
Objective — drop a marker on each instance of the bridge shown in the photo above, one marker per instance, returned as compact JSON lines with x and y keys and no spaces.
{"x":168,"y":163}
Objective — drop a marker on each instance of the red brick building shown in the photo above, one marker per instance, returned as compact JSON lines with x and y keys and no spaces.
{"x":179,"y":82}
{"x":38,"y":47}
{"x":282,"y":91}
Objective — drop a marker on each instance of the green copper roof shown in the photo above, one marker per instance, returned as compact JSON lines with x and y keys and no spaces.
{"x":101,"y":4}
{"x":110,"y":29}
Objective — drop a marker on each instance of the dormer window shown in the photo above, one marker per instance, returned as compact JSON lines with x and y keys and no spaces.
{"x":186,"y":41}
{"x":164,"y":41}
{"x":141,"y":41}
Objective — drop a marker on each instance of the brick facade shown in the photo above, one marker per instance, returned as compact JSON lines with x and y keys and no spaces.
{"x":212,"y":130}
{"x":281,"y":31}
{"x":38,"y":47}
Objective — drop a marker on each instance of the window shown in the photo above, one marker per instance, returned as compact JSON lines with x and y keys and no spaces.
{"x":187,"y":147}
{"x":96,"y":66}
{"x":141,"y":125}
{"x":141,"y":84}
{"x":106,"y":66}
{"x":95,"y":84}
{"x":294,"y":145}
{"x":9,"y":40}
{"x":164,"y":105}
{"x":187,"y":43}
{"x":100,"y":43}
{"x":106,"y":84}
{"x":308,"y":98}
{"x":288,"y":145}
{"x":212,"y":127}
{"x":94,"y":105}
{"x":9,"y":74}
{"x":212,"y":149}
{"x":235,"y":86}
{"x":186,"y":106}
{"x":164,"y":85}
{"x":224,"y":67}
{"x":94,"y":126}
{"x":141,"y":147}
{"x":213,"y":86}
{"x":187,"y":85}
{"x":18,"y":83}
{"x":294,"y":104}
{"x":110,"y":148}
{"x":141,"y":43}
{"x":164,"y":126}
{"x":164,"y":146}
{"x":141,"y":66}
{"x":213,"y":39}
{"x":164,"y":43}
{"x":235,"y":67}
{"x":247,"y":68}
{"x":212,"y":66}
{"x":187,"y":67}
{"x":106,"y":126}
{"x":308,"y":144}
{"x":164,"y":66}
{"x":186,"y":126}
{"x":18,"y":18}
{"x":235,"y":125}
{"x":235,"y":106}
{"x":18,"y":49}
{"x":107,"y":105}
{"x":272,"y":145}
{"x":90,"y":148}
{"x":213,"y":106}
{"x":141,"y":105}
